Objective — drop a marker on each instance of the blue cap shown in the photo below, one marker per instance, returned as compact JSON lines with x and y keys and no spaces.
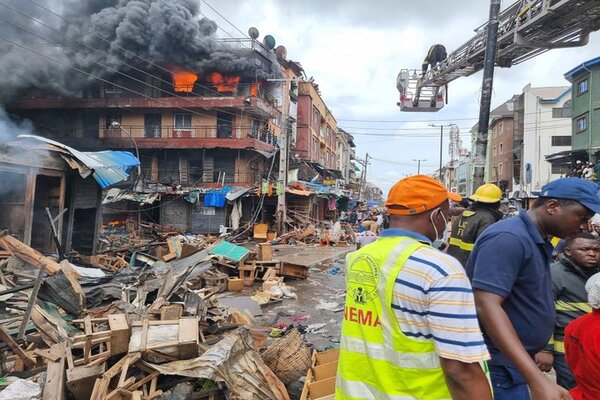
{"x":580,"y":190}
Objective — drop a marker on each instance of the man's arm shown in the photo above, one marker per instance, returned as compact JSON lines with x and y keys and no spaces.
{"x":465,"y":381}
{"x":499,"y":328}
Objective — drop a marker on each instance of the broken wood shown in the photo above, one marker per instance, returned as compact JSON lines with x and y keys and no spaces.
{"x":55,"y":375}
{"x":30,"y":304}
{"x":6,"y":338}
{"x":27,"y":254}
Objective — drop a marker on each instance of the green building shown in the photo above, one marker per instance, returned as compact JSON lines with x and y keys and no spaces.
{"x":585,"y":80}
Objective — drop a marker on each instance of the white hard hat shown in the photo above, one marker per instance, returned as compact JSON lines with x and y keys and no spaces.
{"x":593,"y":289}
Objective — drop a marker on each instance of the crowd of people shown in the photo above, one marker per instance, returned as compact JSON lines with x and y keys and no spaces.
{"x":497,"y":298}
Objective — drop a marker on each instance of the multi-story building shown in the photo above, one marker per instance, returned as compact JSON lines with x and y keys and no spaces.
{"x":190,"y":130}
{"x":501,"y":127}
{"x":539,"y":130}
{"x":345,"y":154}
{"x":585,"y":94}
{"x":317,"y":128}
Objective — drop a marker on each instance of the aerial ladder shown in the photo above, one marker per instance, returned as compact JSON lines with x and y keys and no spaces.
{"x":526,"y":29}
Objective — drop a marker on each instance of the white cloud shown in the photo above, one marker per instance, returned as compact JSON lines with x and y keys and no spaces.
{"x":354,"y":50}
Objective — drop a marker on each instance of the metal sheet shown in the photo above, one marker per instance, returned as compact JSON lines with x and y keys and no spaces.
{"x":207,"y":219}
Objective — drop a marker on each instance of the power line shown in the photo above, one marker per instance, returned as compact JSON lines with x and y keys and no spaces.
{"x":229,"y":22}
{"x":112,"y":44}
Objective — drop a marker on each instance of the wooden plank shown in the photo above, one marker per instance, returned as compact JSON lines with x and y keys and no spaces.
{"x":55,"y":375}
{"x":27,"y":254}
{"x":120,"y":332}
{"x":325,"y":371}
{"x":320,"y":389}
{"x":171,"y":312}
{"x":6,"y":338}
{"x":30,"y":304}
{"x":143,"y":381}
{"x":188,"y":337}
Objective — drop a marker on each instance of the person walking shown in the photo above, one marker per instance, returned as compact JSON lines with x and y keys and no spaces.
{"x":569,"y":276}
{"x":484,"y":211}
{"x":582,"y":346}
{"x":410,"y":329}
{"x":509,"y":268}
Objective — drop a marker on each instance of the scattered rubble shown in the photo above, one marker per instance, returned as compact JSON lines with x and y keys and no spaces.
{"x":156,"y":313}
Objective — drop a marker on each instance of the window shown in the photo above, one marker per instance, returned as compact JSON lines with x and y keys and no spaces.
{"x":183,"y":125}
{"x":561,"y":140}
{"x":582,"y":87}
{"x":113,"y":118}
{"x":500,"y":169}
{"x":495,"y":150}
{"x":581,"y":124}
{"x":500,"y":149}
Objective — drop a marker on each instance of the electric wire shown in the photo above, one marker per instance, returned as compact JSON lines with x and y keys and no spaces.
{"x":120,"y":72}
{"x":112,"y":44}
{"x":220,"y":15}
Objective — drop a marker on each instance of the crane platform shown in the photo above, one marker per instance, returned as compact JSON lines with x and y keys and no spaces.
{"x":526,"y":29}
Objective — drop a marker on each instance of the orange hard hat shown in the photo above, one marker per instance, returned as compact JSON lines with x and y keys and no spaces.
{"x":417,"y":194}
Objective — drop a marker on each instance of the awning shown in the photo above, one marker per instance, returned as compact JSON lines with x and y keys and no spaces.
{"x":107,"y":167}
{"x":299,"y":192}
{"x":567,"y":156}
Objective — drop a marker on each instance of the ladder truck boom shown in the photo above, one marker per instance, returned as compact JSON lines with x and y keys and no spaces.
{"x":526,"y":29}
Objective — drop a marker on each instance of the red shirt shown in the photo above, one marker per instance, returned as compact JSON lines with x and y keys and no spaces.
{"x":582,"y":348}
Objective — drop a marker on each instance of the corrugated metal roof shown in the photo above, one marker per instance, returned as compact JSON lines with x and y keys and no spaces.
{"x":108,"y":167}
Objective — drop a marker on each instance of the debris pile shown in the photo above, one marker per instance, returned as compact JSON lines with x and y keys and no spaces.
{"x":146,"y":318}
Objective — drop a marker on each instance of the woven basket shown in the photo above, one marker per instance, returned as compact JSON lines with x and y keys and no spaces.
{"x":288,"y":357}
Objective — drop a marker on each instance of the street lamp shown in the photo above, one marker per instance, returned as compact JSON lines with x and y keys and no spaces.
{"x":418,"y":160}
{"x":117,"y":125}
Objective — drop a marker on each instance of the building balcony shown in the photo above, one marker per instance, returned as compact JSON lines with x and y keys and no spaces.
{"x":244,"y":97}
{"x":169,"y":137}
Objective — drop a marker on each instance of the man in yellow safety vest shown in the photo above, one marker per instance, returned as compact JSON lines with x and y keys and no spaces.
{"x":410,"y":328}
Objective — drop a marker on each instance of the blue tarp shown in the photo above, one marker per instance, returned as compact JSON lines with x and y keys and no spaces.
{"x":216,"y":198}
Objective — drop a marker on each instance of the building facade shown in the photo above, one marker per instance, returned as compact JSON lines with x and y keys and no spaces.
{"x":317,"y":128}
{"x":539,"y":131}
{"x":585,"y":94}
{"x":502,"y":157}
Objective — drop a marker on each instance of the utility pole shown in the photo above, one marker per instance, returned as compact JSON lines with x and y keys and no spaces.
{"x":441,"y":144}
{"x":363,"y":177}
{"x":486,"y":94}
{"x":283,"y":171}
{"x":419,"y":164}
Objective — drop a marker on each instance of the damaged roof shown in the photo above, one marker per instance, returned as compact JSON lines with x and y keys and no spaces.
{"x":107,"y":167}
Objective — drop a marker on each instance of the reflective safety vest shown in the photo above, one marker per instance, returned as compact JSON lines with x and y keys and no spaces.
{"x":377,"y":361}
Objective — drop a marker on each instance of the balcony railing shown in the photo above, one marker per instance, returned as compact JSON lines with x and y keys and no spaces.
{"x":192,"y":132}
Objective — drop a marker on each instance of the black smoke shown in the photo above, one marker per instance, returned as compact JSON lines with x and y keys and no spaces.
{"x":162,"y":32}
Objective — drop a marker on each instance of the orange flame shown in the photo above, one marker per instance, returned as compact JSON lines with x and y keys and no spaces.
{"x":223,"y":83}
{"x":183,"y":81}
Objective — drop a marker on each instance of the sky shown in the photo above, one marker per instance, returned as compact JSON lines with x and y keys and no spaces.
{"x":354,"y":49}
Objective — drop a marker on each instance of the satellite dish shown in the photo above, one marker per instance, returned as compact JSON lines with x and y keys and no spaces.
{"x":269,"y":42}
{"x":281,"y":52}
{"x":253,"y":32}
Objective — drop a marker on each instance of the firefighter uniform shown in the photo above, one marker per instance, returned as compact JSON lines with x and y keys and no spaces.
{"x":473,"y":221}
{"x":570,"y":301}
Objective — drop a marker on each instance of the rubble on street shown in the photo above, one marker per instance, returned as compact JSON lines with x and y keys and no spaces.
{"x":160,"y":314}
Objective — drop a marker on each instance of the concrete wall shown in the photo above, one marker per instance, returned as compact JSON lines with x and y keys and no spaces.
{"x":538,"y":129}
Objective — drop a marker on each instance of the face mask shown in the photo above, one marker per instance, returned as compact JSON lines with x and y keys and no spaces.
{"x":439,"y":241}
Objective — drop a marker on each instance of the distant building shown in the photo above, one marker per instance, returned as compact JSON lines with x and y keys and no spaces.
{"x":539,"y":131}
{"x":502,"y":157}
{"x":585,"y":114}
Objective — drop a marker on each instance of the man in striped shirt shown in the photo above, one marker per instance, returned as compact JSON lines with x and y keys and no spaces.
{"x":410,"y":327}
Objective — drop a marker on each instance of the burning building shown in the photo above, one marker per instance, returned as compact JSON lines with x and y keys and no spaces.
{"x":201,"y":113}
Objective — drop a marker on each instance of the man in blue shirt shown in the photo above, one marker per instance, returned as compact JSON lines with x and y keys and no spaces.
{"x":509,"y":270}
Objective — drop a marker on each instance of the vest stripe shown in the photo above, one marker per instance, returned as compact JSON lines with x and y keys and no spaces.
{"x":362,"y":390}
{"x":462,"y":245}
{"x":561,"y":305}
{"x":382,"y":352}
